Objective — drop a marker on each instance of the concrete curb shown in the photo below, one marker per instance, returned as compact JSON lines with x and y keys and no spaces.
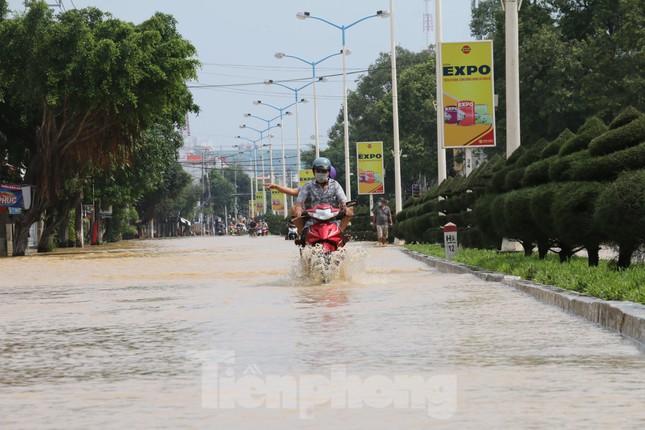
{"x":626,"y":318}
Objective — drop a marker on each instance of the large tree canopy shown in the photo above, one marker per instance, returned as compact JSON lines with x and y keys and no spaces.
{"x":78,"y":89}
{"x":577,"y":58}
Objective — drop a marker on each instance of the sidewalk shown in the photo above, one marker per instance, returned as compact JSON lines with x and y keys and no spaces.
{"x":626,"y":318}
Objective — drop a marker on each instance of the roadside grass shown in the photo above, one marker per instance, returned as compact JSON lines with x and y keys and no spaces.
{"x":603,"y":281}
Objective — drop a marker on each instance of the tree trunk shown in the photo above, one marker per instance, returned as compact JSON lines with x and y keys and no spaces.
{"x":4,"y":219}
{"x":22,"y":225}
{"x":543,"y":249}
{"x":593,"y":255}
{"x":59,"y":215}
{"x":528,"y":248}
{"x":625,"y":256}
{"x":566,"y":252}
{"x":21,"y":238}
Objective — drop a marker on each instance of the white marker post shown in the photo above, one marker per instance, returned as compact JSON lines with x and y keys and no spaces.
{"x":450,"y":240}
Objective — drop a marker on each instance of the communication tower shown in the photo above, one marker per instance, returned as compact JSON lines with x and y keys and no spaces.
{"x":52,"y":3}
{"x":428,"y":23}
{"x":185,"y":130}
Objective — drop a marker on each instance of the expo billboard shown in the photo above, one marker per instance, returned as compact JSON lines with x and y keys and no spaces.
{"x":468,"y":94}
{"x":371,"y":175}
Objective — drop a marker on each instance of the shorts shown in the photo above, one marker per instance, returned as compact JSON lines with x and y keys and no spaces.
{"x":381,"y":231}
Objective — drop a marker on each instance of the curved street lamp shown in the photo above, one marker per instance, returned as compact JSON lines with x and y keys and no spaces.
{"x":270,"y":136}
{"x":343,"y":29}
{"x":313,"y":64}
{"x":255,"y":172}
{"x":282,"y":111}
{"x":296,"y":91}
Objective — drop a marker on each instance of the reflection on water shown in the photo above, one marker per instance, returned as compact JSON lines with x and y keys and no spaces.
{"x":115,"y":337}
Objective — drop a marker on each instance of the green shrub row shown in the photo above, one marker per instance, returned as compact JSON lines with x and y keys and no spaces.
{"x":604,"y":282}
{"x":560,"y":195}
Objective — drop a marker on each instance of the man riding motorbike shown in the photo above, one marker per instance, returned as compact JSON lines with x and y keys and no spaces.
{"x":322,"y":190}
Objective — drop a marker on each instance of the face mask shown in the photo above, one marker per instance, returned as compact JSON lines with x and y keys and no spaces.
{"x":321,"y":178}
{"x":380,"y":203}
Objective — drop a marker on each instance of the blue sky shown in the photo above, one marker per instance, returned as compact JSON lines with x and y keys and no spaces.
{"x":236,"y":42}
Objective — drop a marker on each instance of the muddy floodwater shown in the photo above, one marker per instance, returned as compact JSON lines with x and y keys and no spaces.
{"x":227,"y":332}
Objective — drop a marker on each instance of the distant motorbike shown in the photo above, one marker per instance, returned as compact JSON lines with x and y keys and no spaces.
{"x":292,"y":232}
{"x":325,"y":236}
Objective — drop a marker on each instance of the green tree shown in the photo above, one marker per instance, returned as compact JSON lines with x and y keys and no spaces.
{"x":94,"y":84}
{"x":122,"y":186}
{"x":620,"y":213}
{"x":573,"y":217}
{"x":576,"y":58}
{"x":221,"y":192}
{"x":370,"y":117}
{"x":175,"y":195}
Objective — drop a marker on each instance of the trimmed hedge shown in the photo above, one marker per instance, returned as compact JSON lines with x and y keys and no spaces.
{"x":531,"y":196}
{"x":554,"y":147}
{"x":625,"y":117}
{"x":573,"y":216}
{"x":560,"y":168}
{"x":608,"y":167}
{"x":537,"y":173}
{"x":628,"y":135}
{"x":620,"y":213}
{"x":591,"y":129}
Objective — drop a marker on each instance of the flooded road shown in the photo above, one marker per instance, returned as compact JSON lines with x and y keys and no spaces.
{"x":221,"y":332}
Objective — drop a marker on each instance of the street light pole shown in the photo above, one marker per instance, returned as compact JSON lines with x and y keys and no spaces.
{"x":269,"y":127}
{"x":237,"y":166}
{"x":441,"y":154}
{"x":343,"y":29}
{"x":295,"y":91}
{"x":398,"y":198}
{"x":313,"y":64}
{"x":284,"y":166}
{"x":255,"y":172}
{"x":513,"y":136}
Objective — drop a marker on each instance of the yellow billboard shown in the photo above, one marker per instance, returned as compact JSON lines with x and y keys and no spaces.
{"x":305,"y":175}
{"x":371,"y":178}
{"x":277,"y":201}
{"x":468,"y":94}
{"x":259,"y":201}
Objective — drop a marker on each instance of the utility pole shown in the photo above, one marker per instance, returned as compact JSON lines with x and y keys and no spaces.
{"x":512,"y":8}
{"x":441,"y":152}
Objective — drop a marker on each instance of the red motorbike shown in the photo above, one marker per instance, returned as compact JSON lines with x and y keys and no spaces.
{"x":325,"y":237}
{"x":324,"y":231}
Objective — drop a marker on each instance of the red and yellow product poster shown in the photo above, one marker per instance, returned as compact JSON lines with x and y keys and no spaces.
{"x":371,"y":178}
{"x":277,"y":201}
{"x":259,"y":201}
{"x":468,"y":94}
{"x":305,"y":175}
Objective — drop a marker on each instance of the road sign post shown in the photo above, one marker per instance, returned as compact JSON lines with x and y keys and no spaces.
{"x":450,"y":240}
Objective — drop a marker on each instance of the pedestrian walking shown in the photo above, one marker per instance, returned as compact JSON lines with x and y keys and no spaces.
{"x":381,"y":221}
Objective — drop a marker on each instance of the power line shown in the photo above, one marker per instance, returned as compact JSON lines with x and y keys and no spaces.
{"x":201,"y":86}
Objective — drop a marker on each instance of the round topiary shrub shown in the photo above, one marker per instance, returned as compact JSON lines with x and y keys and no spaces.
{"x":620,"y":213}
{"x":591,"y":129}
{"x":628,"y":135}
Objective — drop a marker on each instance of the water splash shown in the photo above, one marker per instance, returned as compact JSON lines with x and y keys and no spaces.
{"x":315,"y":267}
